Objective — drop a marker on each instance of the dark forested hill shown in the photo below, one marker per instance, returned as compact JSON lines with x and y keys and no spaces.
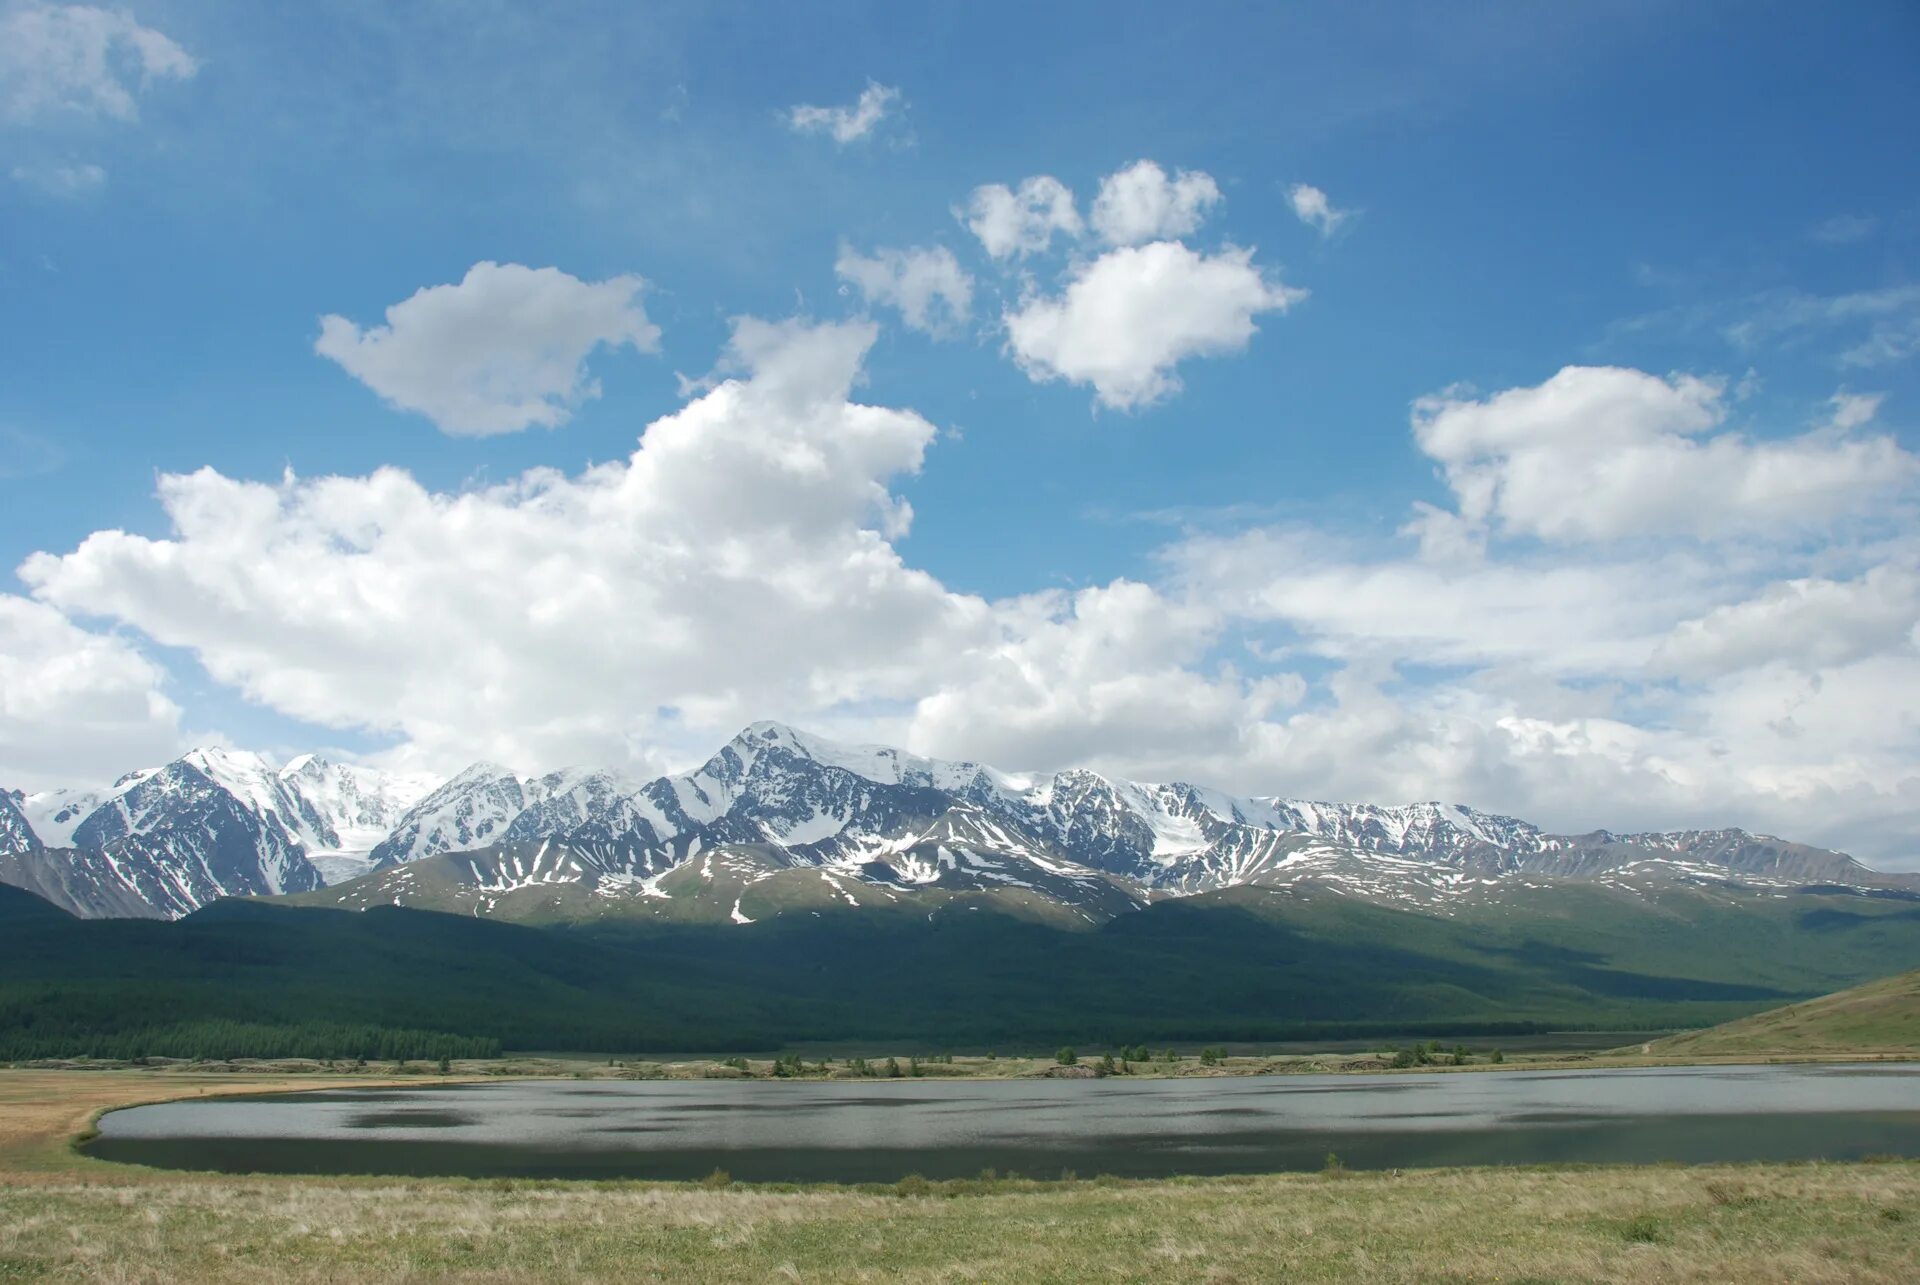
{"x":239,"y":977}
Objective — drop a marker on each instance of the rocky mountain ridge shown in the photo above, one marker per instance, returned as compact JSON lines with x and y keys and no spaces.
{"x":164,"y":841}
{"x":780,"y":820}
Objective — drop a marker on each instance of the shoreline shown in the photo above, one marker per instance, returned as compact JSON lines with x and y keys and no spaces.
{"x":590,"y":1067}
{"x":60,"y":1151}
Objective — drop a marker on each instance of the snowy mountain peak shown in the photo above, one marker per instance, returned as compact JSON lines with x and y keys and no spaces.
{"x":572,"y":797}
{"x":219,"y":822}
{"x":218,"y":758}
{"x":305,"y":765}
{"x":568,"y":779}
{"x":209,"y":824}
{"x":247,"y":776}
{"x":768,"y":732}
{"x":344,"y":810}
{"x":759,"y":739}
{"x":469,"y":811}
{"x":480,"y":772}
{"x":16,"y":829}
{"x":882,"y":764}
{"x":55,"y":814}
{"x":779,"y":803}
{"x":1443,"y":828}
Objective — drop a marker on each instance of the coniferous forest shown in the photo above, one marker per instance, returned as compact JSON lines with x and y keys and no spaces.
{"x":252,"y":979}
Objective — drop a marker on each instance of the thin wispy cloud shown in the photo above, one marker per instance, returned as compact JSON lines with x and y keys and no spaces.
{"x":80,"y":60}
{"x":1312,"y":207}
{"x":932,"y":291}
{"x":26,"y":454}
{"x":1844,"y":229}
{"x":1868,"y":328}
{"x":848,"y":124}
{"x":69,"y":179}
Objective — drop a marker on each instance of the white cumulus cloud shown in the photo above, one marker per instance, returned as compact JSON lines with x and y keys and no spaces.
{"x":737,"y":565}
{"x":929,"y":287}
{"x":847,"y":124}
{"x":1810,"y":623}
{"x":503,"y":350}
{"x":1755,"y":665}
{"x":744,"y":562}
{"x":1128,"y":318}
{"x":75,"y":706}
{"x":1109,"y":677}
{"x":1140,"y":203}
{"x":83,"y":60}
{"x":1605,"y":453}
{"x":1017,"y":222}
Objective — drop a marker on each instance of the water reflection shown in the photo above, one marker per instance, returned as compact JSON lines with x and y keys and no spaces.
{"x":862,"y":1132}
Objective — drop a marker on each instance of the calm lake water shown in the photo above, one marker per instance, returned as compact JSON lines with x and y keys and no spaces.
{"x":867,"y":1131}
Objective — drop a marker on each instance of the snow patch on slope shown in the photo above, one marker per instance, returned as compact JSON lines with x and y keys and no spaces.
{"x":56,"y":814}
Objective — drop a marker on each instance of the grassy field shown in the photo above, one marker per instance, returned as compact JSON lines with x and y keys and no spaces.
{"x":1880,"y":1017}
{"x":66,"y":1217}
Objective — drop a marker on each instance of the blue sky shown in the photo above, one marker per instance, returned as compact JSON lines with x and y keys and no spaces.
{"x":1214,"y":577}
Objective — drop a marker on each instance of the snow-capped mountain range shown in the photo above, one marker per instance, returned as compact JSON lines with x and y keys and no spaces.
{"x":214,"y":823}
{"x":781,"y":820}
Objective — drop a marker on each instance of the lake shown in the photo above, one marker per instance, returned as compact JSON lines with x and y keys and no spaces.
{"x":879,"y":1131}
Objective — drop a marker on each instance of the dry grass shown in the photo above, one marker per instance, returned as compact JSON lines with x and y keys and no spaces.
{"x":1808,"y":1223}
{"x":1880,"y":1017}
{"x":67,"y":1218}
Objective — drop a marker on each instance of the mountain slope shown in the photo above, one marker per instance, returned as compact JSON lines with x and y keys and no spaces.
{"x":1879,"y":1017}
{"x":94,"y":885}
{"x":469,"y":811}
{"x":204,"y":826}
{"x":55,"y":814}
{"x":16,"y":832}
{"x":213,"y":823}
{"x":779,"y":820}
{"x":18,"y":906}
{"x":340,"y":813}
{"x":1241,"y":964}
{"x":564,"y":801}
{"x":558,"y":881}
